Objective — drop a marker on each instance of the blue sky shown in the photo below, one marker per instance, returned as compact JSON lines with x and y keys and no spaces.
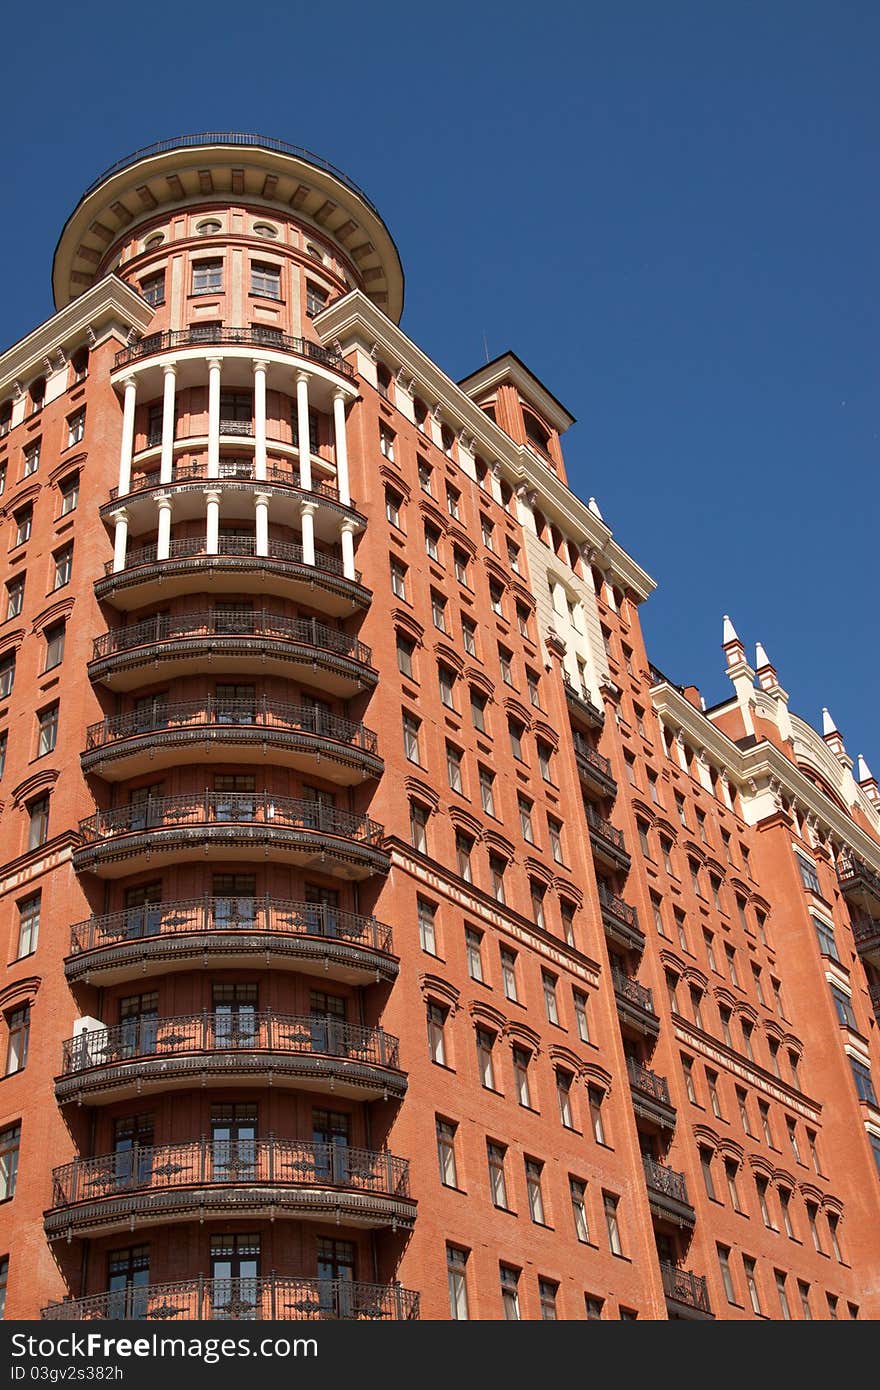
{"x":670,"y":211}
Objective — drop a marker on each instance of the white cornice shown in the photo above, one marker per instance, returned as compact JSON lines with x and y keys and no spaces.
{"x":353,"y":319}
{"x":110,"y":302}
{"x":759,"y":763}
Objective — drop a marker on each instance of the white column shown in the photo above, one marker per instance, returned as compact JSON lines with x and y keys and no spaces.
{"x":126,"y":447}
{"x":341,"y":447}
{"x":120,"y":539}
{"x":346,"y":535}
{"x":261,"y":503}
{"x":214,"y":368}
{"x":163,"y":539}
{"x":170,"y":383}
{"x":260,"y":420}
{"x":302,"y":425}
{"x":307,"y":513}
{"x":212,"y":526}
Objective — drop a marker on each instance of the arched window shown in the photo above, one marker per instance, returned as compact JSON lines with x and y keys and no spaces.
{"x":210,"y":227}
{"x":536,"y":433}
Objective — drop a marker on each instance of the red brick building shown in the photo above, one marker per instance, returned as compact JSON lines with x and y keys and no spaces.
{"x":385,"y":936}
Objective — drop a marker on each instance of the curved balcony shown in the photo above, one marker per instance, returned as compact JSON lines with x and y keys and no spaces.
{"x":247,"y":1179}
{"x":303,"y":737}
{"x":593,"y":767}
{"x":686,"y":1293}
{"x":233,"y":826}
{"x":235,"y":642}
{"x":635,"y":1005}
{"x":159,"y":938}
{"x":279,"y":1296}
{"x":215,"y":1049}
{"x":235,"y":568}
{"x":213,"y":335}
{"x":238,"y":481}
{"x":667,"y":1193}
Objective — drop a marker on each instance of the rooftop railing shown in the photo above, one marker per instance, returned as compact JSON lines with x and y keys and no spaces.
{"x":215,"y":335}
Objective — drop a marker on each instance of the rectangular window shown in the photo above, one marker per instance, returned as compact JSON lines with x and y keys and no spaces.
{"x":393,"y":504}
{"x":508,"y":973}
{"x":505,"y":661}
{"x":32,"y":457}
{"x":38,"y":822}
{"x":425,"y":471}
{"x":783,"y":1295}
{"x":485,"y":1065}
{"x":456,"y":1265}
{"x":446,"y":684}
{"x":418,"y":826}
{"x":28,"y":925}
{"x":207,"y":277}
{"x":453,"y":502}
{"x":478,"y":710}
{"x":454,"y":758}
{"x":7,"y":676}
{"x":487,"y":792}
{"x":446,"y":1152}
{"x":843,"y":1008}
{"x":474,"y":951}
{"x":566,"y":912}
{"x":534,"y":1170}
{"x":726,"y":1276}
{"x":427,"y":936}
{"x":411,"y":727}
{"x":495,"y":1155}
{"x":825,"y":935}
{"x":522,"y":622}
{"x":580,"y":1015}
{"x":752,"y":1284}
{"x":398,"y":579}
{"x":386,"y":442}
{"x":464,"y":846}
{"x":610,"y":1204}
{"x":18,"y":1027}
{"x":76,"y":428}
{"x":532,"y":682}
{"x":460,"y":565}
{"x":497,"y":866}
{"x":23,"y":521}
{"x":809,"y":877}
{"x":153,"y":289}
{"x":545,"y":765}
{"x":551,"y":1008}
{"x":487,"y":532}
{"x":554,"y":832}
{"x":69,"y":490}
{"x":4,"y":1279}
{"x":405,"y":651}
{"x":593,"y":1307}
{"x":54,"y":645}
{"x":547,"y":1291}
{"x":563,"y":1097}
{"x":469,"y":636}
{"x":4,"y":740}
{"x":578,"y":1193}
{"x":265,"y":280}
{"x":515,"y":730}
{"x":432,"y":543}
{"x":714,"y":1099}
{"x":596,"y":1099}
{"x":316,"y":299}
{"x":436,"y":1017}
{"x":706,"y":1168}
{"x":510,"y":1293}
{"x":10,"y":1140}
{"x":521,"y":1060}
{"x":14,"y":596}
{"x":525,"y":819}
{"x":47,"y":724}
{"x":63,"y":567}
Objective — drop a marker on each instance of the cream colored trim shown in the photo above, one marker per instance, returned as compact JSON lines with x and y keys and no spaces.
{"x":111,"y":306}
{"x":356,"y":323}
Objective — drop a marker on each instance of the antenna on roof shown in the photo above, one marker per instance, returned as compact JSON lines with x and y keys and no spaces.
{"x":486,"y":346}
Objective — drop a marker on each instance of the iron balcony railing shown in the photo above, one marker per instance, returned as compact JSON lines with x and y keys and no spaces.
{"x":630,"y":989}
{"x":190,"y":547}
{"x":618,"y":907}
{"x":228,"y":622}
{"x":581,"y":695}
{"x":216,"y":713}
{"x":216,"y":336}
{"x":241,"y":1162}
{"x":684,"y":1286}
{"x":276,"y":1297}
{"x":233,"y":808}
{"x":647,"y":1082}
{"x":874,"y":991}
{"x":605,"y":830}
{"x":318,"y":1035}
{"x":665,"y":1180}
{"x":584,"y":749}
{"x":230,"y":470}
{"x":266,"y":916}
{"x":866,"y":931}
{"x":853,"y":873}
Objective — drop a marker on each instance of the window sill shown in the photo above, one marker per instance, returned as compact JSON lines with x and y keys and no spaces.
{"x":443,"y":1066}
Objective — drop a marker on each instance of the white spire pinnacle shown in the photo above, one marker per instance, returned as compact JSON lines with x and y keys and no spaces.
{"x":864,"y":772}
{"x":761,"y":657}
{"x":828,"y":724}
{"x":729,"y":634}
{"x":593,"y":506}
